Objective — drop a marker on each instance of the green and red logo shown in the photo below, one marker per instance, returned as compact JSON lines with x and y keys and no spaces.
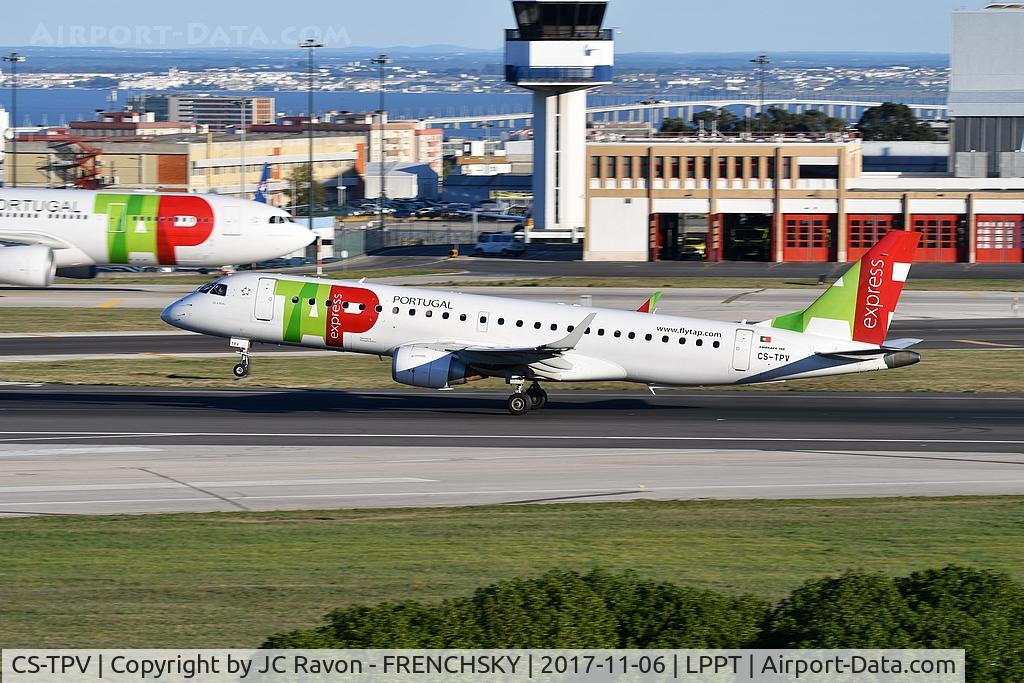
{"x":154,"y":226}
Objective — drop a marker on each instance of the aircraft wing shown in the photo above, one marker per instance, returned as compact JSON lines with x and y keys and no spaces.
{"x":30,"y":237}
{"x":519,"y":354}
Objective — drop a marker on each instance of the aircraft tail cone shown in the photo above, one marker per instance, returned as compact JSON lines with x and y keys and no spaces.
{"x":902,"y":359}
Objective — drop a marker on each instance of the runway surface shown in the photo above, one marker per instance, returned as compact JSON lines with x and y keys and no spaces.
{"x":956,"y":334}
{"x":98,"y":450}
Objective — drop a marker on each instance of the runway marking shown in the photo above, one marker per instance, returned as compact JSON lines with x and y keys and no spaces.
{"x":41,"y":436}
{"x":214,"y":484}
{"x":508,"y":492}
{"x":79,"y":451}
{"x":113,"y":303}
{"x":985,"y":343}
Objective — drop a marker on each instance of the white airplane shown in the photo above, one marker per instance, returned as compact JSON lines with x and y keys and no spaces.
{"x":77,"y":230}
{"x":438,"y":340}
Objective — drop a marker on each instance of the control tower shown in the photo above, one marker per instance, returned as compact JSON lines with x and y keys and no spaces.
{"x":559,"y":51}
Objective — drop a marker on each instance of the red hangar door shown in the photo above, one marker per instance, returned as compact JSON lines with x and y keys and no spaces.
{"x":867,"y":230}
{"x":939,"y":243}
{"x":1000,"y":239}
{"x":807,"y":238}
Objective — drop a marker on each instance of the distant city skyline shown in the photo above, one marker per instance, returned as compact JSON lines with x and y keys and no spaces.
{"x":644,"y":25}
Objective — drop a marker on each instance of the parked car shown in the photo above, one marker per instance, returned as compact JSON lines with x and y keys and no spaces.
{"x":499,"y":244}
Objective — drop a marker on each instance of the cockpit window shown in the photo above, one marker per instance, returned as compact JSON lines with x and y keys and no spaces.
{"x":205,"y":289}
{"x":277,"y":220}
{"x":219,"y":289}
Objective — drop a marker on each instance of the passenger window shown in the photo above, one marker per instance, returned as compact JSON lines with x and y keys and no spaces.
{"x":571,"y":328}
{"x":700,"y":342}
{"x":682,"y":340}
{"x":501,"y":321}
{"x":483,"y":320}
{"x":649,"y":337}
{"x":632,"y":335}
{"x":554,"y":328}
{"x":412,"y":312}
{"x":429,"y":314}
{"x":379,"y":309}
{"x":536,"y":326}
{"x":446,"y":315}
{"x":717,"y":344}
{"x":664,"y":340}
{"x":395,"y":310}
{"x":618,"y":334}
{"x":600,"y":333}
{"x":312,"y":302}
{"x":463,"y":317}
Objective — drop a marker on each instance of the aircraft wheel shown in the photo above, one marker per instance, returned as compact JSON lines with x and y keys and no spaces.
{"x":241,"y":370}
{"x":538,"y":398}
{"x":519,"y":404}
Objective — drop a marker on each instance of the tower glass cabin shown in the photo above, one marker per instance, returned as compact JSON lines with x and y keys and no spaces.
{"x":559,"y":51}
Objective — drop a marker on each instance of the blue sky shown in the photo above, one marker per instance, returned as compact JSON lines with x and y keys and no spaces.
{"x":646,"y":25}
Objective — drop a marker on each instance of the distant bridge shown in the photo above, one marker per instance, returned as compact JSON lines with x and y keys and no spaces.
{"x":656,"y":112}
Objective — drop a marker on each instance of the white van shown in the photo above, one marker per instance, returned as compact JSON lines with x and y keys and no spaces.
{"x":499,"y":244}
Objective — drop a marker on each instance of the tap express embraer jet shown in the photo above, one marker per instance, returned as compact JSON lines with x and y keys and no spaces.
{"x":439,"y":340}
{"x":77,"y":230}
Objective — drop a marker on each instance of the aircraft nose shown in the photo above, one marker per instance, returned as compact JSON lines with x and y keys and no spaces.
{"x":177,"y":313}
{"x":299,"y":237}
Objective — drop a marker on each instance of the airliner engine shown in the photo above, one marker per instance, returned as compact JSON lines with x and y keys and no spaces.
{"x":422,"y":366}
{"x":28,"y":266}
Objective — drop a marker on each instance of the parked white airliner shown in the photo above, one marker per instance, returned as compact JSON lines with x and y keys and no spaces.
{"x":439,"y":340}
{"x":76,"y":230}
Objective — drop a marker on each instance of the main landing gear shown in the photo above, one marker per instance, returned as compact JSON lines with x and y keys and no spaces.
{"x":523,"y":401}
{"x":241,"y":370}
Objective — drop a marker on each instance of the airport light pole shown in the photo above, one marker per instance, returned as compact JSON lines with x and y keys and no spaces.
{"x":381,"y":61}
{"x":242,"y":103}
{"x":14,"y":59}
{"x":310,"y":45}
{"x":762,"y":62}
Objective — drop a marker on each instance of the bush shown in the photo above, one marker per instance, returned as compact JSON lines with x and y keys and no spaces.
{"x":952,"y":608}
{"x":561,"y":609}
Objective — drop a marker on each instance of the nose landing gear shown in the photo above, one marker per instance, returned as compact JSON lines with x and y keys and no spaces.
{"x":242,"y":346}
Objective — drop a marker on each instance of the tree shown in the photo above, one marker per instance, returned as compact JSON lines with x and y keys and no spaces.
{"x":778,"y":120}
{"x":892,"y":121}
{"x":725,"y":119}
{"x":675,"y":124}
{"x":298,"y":187}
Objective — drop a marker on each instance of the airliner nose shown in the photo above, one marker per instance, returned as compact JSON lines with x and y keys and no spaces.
{"x":177,"y":313}
{"x":298,"y":237}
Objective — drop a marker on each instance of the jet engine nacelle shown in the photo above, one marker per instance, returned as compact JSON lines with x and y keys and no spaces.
{"x":29,"y":266}
{"x":422,"y":366}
